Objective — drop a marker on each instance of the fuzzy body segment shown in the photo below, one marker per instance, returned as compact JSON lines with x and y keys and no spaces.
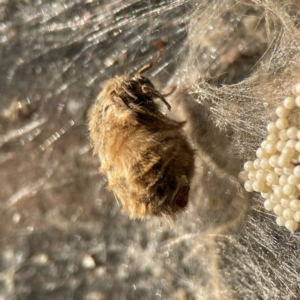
{"x":144,"y":154}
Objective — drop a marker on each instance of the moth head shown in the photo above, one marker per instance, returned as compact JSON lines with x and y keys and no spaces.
{"x":142,"y":81}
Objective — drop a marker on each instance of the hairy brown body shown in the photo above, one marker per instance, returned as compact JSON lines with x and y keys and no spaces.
{"x":144,"y":154}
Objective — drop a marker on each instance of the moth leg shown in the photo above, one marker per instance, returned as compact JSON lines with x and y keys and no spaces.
{"x":170,"y":93}
{"x":157,"y":94}
{"x":128,"y":92}
{"x":160,"y":96}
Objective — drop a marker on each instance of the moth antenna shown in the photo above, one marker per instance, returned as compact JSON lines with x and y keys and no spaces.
{"x":147,"y":67}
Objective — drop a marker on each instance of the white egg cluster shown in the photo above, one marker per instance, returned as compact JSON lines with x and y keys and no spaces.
{"x":276,"y":171}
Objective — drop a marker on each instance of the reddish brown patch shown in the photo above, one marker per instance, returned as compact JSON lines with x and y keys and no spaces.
{"x":182,"y":196}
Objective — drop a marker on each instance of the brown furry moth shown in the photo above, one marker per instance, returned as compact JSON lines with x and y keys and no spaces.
{"x":144,"y":154}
